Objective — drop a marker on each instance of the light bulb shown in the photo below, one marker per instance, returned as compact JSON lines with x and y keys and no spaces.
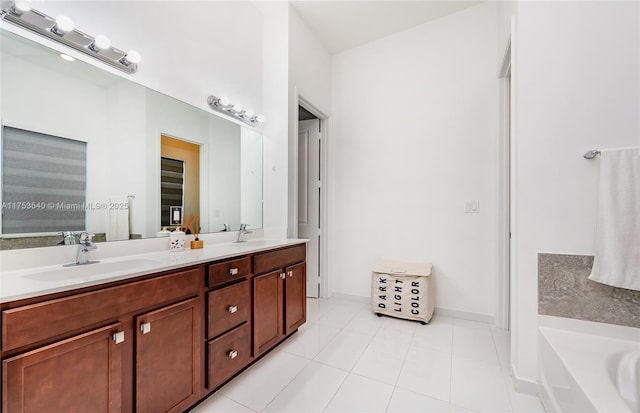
{"x":20,"y":7}
{"x":260,"y":118}
{"x":99,"y":43}
{"x":133,"y":57}
{"x":63,"y":25}
{"x":224,"y":101}
{"x":237,"y":108}
{"x":248,"y":113}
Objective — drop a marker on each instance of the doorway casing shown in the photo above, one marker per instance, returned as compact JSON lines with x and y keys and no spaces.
{"x":300,"y":99}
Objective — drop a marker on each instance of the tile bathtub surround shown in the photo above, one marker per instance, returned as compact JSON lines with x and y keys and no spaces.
{"x":345,"y":359}
{"x":564,"y":290}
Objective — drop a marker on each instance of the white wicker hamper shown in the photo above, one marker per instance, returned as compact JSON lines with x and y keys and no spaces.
{"x":402,"y":290}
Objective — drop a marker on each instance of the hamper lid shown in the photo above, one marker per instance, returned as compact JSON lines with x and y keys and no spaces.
{"x":399,"y":268}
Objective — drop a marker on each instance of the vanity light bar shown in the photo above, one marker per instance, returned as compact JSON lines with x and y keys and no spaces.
{"x":223,"y":105}
{"x":62,"y":30}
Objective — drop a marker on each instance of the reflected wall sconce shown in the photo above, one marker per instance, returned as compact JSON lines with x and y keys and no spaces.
{"x":222,"y":105}
{"x":62,"y":30}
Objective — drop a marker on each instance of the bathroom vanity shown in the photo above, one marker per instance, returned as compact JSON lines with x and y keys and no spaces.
{"x":156,"y":340}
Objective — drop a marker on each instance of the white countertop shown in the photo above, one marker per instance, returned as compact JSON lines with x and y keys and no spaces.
{"x":33,"y":282}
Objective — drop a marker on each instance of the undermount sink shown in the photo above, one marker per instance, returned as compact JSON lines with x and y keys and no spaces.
{"x":88,"y":270}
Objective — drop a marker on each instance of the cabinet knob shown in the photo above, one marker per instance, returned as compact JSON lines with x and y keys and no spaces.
{"x":233,"y":308}
{"x":283,"y":276}
{"x":118,"y":337}
{"x":233,"y":354}
{"x":290,"y":273}
{"x":233,"y":271}
{"x":145,"y":328}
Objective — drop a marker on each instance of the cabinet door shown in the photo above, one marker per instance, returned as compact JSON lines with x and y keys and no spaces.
{"x":295,"y":294}
{"x":168,"y":358}
{"x":267,"y":311}
{"x":79,"y":374}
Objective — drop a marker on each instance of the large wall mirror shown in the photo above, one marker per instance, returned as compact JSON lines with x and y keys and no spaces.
{"x":83,"y":149}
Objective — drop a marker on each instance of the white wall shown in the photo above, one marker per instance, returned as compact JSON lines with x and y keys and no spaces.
{"x":189,"y":50}
{"x":578,"y":88}
{"x":310,"y":77}
{"x":415,"y":133}
{"x":276,"y":108}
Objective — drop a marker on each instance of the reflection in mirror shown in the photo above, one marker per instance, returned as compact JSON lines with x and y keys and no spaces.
{"x":179,"y":179}
{"x":122,"y":124}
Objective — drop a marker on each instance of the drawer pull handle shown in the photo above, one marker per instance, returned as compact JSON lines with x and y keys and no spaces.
{"x":233,"y":354}
{"x":118,"y":337}
{"x":290,"y":273}
{"x":283,"y":276}
{"x":145,"y":328}
{"x":233,"y":271}
{"x":233,"y":309}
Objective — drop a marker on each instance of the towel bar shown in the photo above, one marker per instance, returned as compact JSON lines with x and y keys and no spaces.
{"x":591,"y":154}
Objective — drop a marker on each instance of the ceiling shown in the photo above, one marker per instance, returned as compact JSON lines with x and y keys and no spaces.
{"x":342,"y":25}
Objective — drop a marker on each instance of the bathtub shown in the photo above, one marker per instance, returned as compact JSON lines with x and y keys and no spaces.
{"x":586,"y":372}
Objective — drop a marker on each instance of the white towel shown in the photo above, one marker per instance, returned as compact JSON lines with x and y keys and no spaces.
{"x":617,"y":257}
{"x":118,"y":218}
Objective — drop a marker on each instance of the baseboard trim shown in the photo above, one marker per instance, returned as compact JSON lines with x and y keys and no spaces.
{"x":522,"y":385}
{"x":464,"y":315}
{"x":358,"y":298}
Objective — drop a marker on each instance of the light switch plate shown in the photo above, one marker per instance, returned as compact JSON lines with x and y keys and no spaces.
{"x":472,"y":207}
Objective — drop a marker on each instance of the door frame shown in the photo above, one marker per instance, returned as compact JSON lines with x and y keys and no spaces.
{"x":204,"y":174}
{"x":506,"y":179}
{"x":301,"y":99}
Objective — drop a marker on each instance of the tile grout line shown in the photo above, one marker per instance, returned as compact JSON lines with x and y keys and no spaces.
{"x":504,"y":380}
{"x":309,"y":361}
{"x":341,"y":329}
{"x":395,"y":386}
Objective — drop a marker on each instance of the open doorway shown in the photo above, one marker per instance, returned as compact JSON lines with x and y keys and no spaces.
{"x":310,"y":193}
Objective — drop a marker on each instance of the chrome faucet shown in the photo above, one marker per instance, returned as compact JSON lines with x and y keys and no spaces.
{"x":68,"y":238}
{"x":243,"y":230}
{"x":84,"y":246}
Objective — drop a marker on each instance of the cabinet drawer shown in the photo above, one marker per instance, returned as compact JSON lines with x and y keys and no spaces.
{"x":57,"y":318}
{"x":269,"y":261}
{"x":224,"y":272}
{"x":228,"y":354}
{"x":228,"y":307}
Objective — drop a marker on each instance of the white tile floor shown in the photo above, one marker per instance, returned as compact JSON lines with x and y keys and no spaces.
{"x":345,"y":359}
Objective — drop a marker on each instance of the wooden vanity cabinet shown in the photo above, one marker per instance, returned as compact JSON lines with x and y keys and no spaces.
{"x":228,"y":346}
{"x":158,"y":343}
{"x":87,"y":352}
{"x":279,"y":296}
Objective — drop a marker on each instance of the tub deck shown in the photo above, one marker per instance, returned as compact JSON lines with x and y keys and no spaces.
{"x":577,"y":371}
